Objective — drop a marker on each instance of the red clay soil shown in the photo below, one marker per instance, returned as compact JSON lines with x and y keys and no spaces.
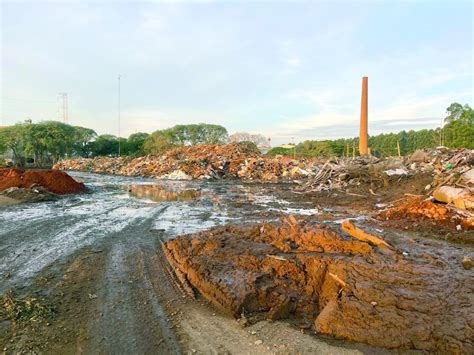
{"x":416,"y":212}
{"x":347,"y":288}
{"x":55,"y":181}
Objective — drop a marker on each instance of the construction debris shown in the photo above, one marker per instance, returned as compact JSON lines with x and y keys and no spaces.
{"x":15,"y":195}
{"x":346,"y":173}
{"x":460,"y":197}
{"x":448,"y":167}
{"x":311,"y":274}
{"x":197,"y":162}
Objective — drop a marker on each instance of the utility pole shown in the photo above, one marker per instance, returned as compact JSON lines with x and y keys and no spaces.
{"x":63,"y":96}
{"x":119,"y":114}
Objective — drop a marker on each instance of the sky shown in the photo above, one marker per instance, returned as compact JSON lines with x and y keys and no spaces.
{"x":290,"y":70}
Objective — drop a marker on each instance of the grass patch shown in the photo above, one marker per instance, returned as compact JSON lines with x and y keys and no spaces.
{"x":24,"y":309}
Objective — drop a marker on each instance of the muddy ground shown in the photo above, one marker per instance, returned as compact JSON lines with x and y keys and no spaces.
{"x":95,"y":260}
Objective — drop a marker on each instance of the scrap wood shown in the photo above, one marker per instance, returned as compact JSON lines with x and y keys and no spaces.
{"x":338,"y":279}
{"x":351,"y":229}
{"x":280,"y":258}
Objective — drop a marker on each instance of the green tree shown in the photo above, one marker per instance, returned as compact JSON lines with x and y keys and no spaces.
{"x":134,"y":146}
{"x":13,"y":138}
{"x":459,"y":131}
{"x":104,"y":145}
{"x":181,"y":135}
{"x":82,"y":139}
{"x":455,"y":111}
{"x":157,"y":143}
{"x":194,"y":134}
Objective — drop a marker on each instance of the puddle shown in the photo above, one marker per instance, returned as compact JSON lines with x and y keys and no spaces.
{"x":156,"y":193}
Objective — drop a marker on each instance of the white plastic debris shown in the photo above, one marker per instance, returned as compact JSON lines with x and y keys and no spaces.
{"x":396,"y":172}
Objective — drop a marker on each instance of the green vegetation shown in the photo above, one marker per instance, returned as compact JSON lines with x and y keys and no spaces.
{"x":24,"y":309}
{"x":250,"y":147}
{"x":181,"y":135}
{"x":46,"y":142}
{"x":457,"y":132}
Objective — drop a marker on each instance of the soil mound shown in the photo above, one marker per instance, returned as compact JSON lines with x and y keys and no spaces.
{"x":342,"y":286}
{"x":417,"y":212}
{"x":54,"y":181}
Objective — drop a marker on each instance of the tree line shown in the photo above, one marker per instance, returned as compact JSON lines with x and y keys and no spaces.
{"x":44,"y":143}
{"x":458,"y":131}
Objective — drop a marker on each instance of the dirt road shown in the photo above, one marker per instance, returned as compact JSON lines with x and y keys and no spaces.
{"x":95,"y":260}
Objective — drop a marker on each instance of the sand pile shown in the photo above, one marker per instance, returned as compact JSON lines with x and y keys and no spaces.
{"x":345,"y":287}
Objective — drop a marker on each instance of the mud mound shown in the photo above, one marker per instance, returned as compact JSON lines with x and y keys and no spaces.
{"x":54,"y":181}
{"x":344,"y":287}
{"x":416,"y":212}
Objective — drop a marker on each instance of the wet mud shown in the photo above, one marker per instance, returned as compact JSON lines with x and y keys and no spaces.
{"x":319,"y":276}
{"x":97,"y":260}
{"x":93,"y":258}
{"x":157,"y":193}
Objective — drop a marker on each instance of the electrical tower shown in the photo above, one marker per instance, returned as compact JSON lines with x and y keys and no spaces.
{"x":63,"y":96}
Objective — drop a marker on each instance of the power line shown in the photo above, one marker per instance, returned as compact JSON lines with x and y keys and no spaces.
{"x":4,"y":98}
{"x":119,"y":76}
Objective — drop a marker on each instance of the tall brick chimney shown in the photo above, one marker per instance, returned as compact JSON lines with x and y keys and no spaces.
{"x":363,"y":135}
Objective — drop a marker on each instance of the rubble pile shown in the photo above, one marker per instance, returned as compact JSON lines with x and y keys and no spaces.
{"x":317,"y":276}
{"x":54,"y":181}
{"x":197,"y":162}
{"x":98,"y":165}
{"x":417,"y":211}
{"x":345,"y":173}
{"x":451,"y":171}
{"x":16,"y":195}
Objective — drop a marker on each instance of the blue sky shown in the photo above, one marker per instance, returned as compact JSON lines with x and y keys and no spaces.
{"x":283,"y":69}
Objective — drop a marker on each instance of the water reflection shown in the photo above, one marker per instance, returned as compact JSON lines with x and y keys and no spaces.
{"x":157,"y":193}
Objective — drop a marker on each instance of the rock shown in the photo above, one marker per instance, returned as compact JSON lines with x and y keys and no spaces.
{"x":258,"y":342}
{"x":467,"y":262}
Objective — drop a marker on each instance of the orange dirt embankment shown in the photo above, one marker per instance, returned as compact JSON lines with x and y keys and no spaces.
{"x":416,"y":212}
{"x":54,"y":181}
{"x":345,"y":287}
